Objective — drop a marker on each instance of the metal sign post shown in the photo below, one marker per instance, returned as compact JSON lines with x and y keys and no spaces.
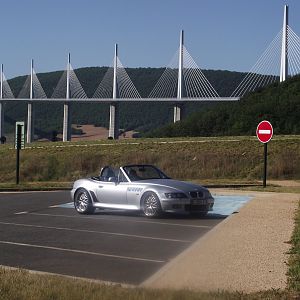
{"x":265,"y":164}
{"x":19,"y":144}
{"x":264,"y":133}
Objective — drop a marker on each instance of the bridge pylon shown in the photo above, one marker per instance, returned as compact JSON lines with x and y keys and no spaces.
{"x":178,"y":107}
{"x":113,"y":131}
{"x":67,"y":107}
{"x":284,"y":46}
{"x":30,"y":110}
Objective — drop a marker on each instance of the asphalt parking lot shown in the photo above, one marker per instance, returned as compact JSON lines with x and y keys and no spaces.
{"x":36,"y":233}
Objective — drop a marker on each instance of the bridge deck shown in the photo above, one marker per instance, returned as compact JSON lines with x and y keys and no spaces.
{"x":109,"y":100}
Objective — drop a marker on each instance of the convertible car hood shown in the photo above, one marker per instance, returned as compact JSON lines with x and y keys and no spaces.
{"x":171,"y":183}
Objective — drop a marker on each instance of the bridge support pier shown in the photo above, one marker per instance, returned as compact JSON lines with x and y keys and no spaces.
{"x":30,"y":110}
{"x":67,"y":123}
{"x":1,"y":118}
{"x":30,"y":123}
{"x":178,"y":112}
{"x":113,"y":131}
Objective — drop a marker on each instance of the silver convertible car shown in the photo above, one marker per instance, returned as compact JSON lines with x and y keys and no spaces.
{"x":139,"y":187}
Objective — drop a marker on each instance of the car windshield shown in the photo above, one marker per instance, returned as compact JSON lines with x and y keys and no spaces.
{"x":144,"y":172}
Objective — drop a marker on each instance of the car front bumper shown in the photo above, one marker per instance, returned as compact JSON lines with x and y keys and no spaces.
{"x":187,"y":205}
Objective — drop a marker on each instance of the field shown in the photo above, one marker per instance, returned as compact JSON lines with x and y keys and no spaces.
{"x":213,"y":159}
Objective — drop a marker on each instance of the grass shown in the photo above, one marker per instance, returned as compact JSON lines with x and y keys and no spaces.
{"x":233,"y":158}
{"x":20,"y":284}
{"x":272,"y":188}
{"x":294,"y":261}
{"x":35,"y":186}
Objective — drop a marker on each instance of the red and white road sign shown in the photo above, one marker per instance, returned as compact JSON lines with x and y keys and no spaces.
{"x":264,"y":131}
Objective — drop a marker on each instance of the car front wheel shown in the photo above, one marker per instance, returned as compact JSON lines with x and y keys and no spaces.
{"x":83,"y":202}
{"x":151,"y":205}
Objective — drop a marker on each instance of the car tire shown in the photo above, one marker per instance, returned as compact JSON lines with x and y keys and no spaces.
{"x":151,"y":205}
{"x":83,"y":202}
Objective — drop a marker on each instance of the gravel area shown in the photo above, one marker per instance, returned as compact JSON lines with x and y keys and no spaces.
{"x":246,"y":252}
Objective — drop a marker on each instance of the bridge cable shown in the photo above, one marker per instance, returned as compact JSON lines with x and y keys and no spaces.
{"x":7,"y":92}
{"x":263,"y":72}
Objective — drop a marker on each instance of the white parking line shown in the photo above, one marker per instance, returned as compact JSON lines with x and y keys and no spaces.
{"x":82,"y":252}
{"x":123,"y":220}
{"x":21,"y":213}
{"x":99,"y":232}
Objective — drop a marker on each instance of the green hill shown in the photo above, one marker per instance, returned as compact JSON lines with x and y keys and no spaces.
{"x":139,"y":116}
{"x":278,"y":103}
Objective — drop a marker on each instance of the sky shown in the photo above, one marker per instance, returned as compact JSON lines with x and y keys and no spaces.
{"x":219,"y":34}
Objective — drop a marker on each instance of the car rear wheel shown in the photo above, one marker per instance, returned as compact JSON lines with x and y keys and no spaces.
{"x":83,"y":202}
{"x":151,"y":205}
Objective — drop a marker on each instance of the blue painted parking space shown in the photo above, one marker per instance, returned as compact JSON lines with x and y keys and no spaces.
{"x":226,"y":205}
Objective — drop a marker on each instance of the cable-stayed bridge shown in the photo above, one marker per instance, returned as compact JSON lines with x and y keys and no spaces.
{"x":182,"y":81}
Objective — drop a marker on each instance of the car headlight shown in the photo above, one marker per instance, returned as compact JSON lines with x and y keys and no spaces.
{"x":210,"y":195}
{"x":175,"y":195}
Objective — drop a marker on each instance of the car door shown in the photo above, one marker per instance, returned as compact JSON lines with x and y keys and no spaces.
{"x":111,"y":192}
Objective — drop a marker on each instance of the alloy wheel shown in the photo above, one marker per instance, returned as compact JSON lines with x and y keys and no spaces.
{"x":151,"y":206}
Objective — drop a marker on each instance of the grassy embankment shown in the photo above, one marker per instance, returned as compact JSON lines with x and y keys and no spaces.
{"x":231,"y":159}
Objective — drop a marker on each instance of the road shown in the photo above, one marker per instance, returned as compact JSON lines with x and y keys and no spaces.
{"x":37,"y":233}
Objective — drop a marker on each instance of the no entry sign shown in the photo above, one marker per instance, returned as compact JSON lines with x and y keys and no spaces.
{"x":264,"y":131}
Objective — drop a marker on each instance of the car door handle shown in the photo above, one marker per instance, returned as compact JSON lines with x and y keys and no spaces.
{"x":100,"y":186}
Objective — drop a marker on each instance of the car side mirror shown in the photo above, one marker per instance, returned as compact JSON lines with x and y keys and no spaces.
{"x":112,"y":179}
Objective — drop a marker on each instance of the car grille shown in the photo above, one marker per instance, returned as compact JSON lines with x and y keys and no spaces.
{"x":198,"y":195}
